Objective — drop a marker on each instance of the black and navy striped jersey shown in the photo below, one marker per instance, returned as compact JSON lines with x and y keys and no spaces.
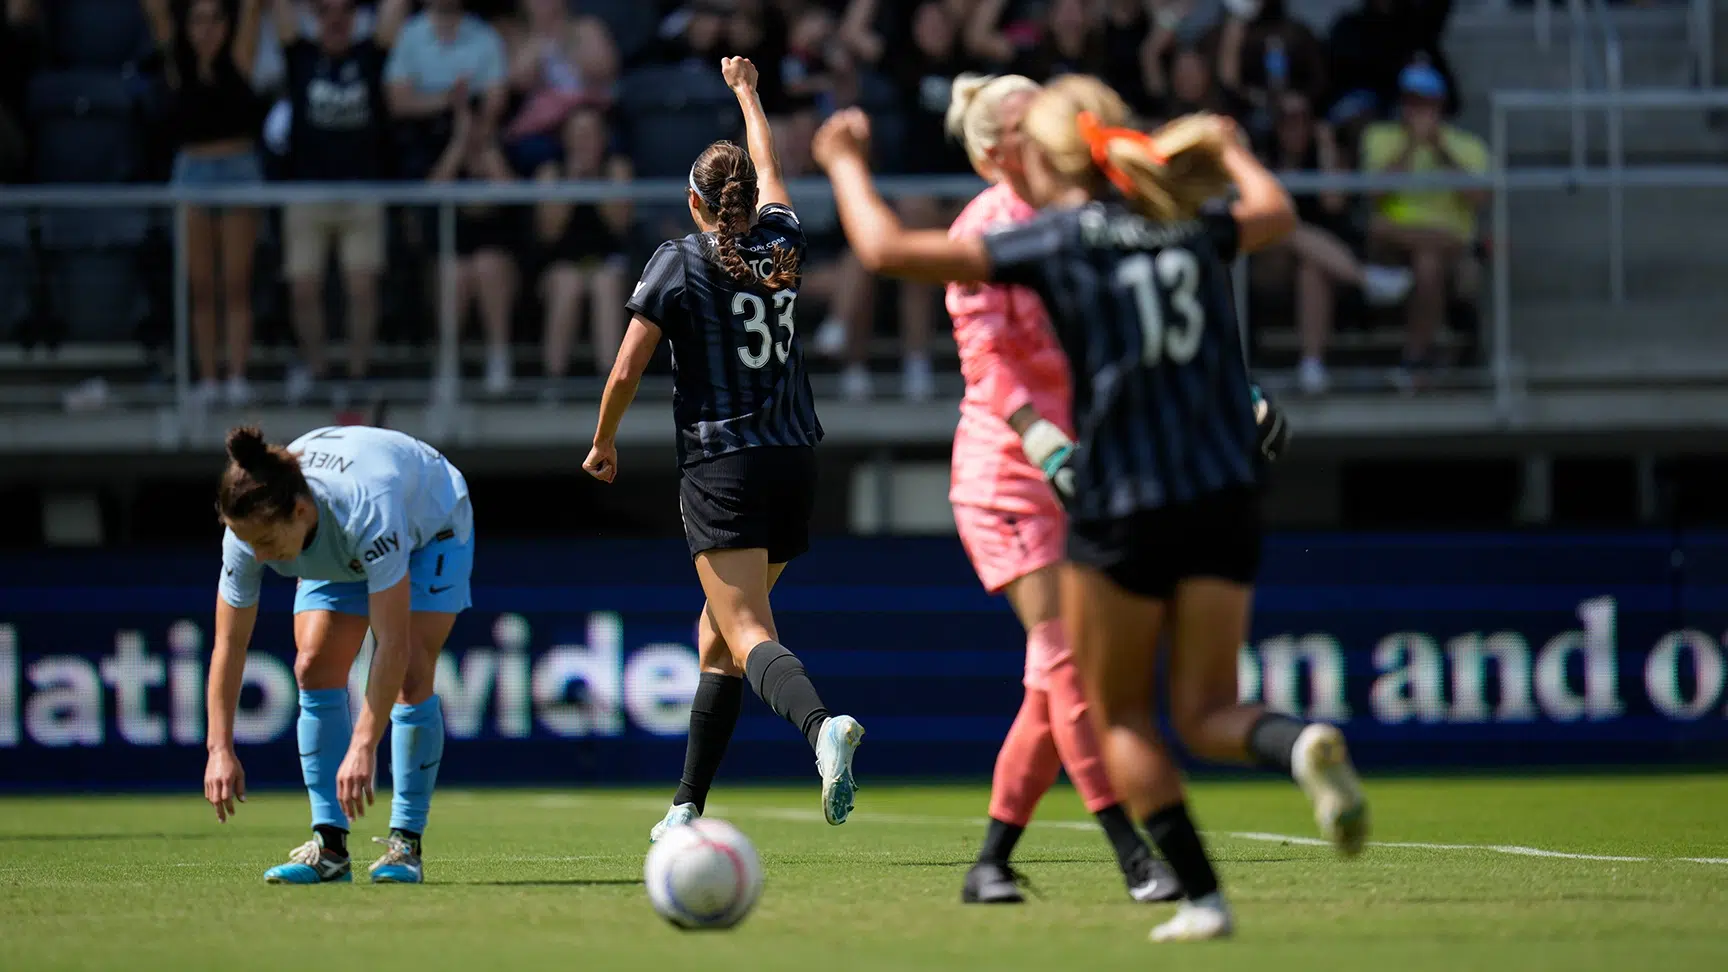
{"x":739,"y":379}
{"x":1162,"y":407}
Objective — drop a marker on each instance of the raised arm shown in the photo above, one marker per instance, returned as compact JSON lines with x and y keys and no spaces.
{"x":740,"y":76}
{"x":1263,"y":211}
{"x":877,"y":237}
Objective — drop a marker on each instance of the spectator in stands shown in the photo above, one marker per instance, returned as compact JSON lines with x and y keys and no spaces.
{"x":486,"y":235}
{"x":759,"y":30}
{"x":586,"y":245}
{"x":1263,"y":53}
{"x":1367,"y":48}
{"x":217,"y":123}
{"x":559,"y":63}
{"x":828,"y":274}
{"x":1190,"y":87}
{"x":1432,"y":230}
{"x":444,"y":60}
{"x":1126,"y":28}
{"x":338,"y":133}
{"x":1067,"y":41}
{"x":1322,"y":259}
{"x":696,"y":35}
{"x":18,"y":51}
{"x":807,"y":71}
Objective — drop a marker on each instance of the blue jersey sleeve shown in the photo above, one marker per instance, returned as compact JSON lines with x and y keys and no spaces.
{"x":659,"y":294}
{"x":382,"y":541}
{"x":242,"y":574}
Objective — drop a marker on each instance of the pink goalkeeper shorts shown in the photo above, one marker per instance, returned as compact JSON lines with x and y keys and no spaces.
{"x":1005,"y":547}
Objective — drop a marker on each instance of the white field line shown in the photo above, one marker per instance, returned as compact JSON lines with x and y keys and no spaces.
{"x":796,"y":815}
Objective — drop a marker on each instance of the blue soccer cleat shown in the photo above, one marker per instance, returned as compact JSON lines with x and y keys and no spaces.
{"x":399,"y":865}
{"x":834,"y":750}
{"x":310,"y":863}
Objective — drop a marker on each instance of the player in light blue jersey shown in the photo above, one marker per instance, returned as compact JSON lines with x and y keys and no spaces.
{"x":378,"y":528}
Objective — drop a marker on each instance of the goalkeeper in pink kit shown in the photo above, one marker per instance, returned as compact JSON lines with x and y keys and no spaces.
{"x":1010,"y":520}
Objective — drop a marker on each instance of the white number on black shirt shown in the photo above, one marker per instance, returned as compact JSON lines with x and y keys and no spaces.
{"x":1178,"y":273}
{"x":753,"y":310}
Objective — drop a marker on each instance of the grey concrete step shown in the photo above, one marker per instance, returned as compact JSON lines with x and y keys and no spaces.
{"x":1674,"y":241}
{"x":1671,"y":340}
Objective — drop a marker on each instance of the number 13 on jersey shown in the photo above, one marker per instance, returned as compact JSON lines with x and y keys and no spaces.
{"x":1177,"y":273}
{"x":752,"y":310}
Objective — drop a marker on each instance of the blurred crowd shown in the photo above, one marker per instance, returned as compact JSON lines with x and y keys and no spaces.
{"x":235,"y":92}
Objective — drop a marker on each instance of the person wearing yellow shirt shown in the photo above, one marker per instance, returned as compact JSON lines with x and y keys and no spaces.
{"x":1433,"y":228}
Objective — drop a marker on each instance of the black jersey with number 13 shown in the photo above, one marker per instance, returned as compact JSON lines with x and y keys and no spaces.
{"x":739,"y":380}
{"x":1162,"y":406}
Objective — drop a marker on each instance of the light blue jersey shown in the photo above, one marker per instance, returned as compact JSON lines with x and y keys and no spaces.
{"x":381,"y":496}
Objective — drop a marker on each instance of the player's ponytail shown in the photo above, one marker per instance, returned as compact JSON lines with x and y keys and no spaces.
{"x":1077,"y":122}
{"x":724,"y":179}
{"x":261,"y":481}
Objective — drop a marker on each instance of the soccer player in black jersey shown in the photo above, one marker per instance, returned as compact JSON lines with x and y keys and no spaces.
{"x":1164,"y":533}
{"x":747,"y":432}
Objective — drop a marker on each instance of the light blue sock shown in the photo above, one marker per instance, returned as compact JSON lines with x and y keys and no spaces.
{"x":324,"y":730}
{"x":416,"y":748}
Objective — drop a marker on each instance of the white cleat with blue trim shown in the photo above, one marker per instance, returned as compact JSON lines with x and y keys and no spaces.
{"x":835,"y":747}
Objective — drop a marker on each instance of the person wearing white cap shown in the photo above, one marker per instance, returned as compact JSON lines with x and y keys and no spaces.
{"x":1432,"y":229}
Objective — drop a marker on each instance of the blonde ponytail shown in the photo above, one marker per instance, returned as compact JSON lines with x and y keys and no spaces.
{"x":974,"y":116}
{"x":1077,"y":121}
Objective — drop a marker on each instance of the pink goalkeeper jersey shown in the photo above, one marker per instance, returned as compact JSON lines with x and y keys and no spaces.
{"x":1010,"y":359}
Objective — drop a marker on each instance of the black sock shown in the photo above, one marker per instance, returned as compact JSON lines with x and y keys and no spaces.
{"x":1273,"y":740}
{"x":412,"y":837}
{"x":1121,"y":832}
{"x":778,"y":677}
{"x":334,"y":839}
{"x":1176,"y":839}
{"x":999,"y":841}
{"x":713,"y":716}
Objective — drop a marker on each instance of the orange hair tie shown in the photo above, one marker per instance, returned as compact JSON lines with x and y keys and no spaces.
{"x":1098,"y":138}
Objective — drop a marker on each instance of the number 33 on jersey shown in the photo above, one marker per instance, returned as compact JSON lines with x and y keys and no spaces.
{"x":739,"y":379}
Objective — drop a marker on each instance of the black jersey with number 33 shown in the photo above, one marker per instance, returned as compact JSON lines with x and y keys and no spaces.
{"x":1162,"y":404}
{"x":739,"y":380}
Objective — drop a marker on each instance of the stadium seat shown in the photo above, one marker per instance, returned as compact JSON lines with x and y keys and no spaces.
{"x":86,"y":127}
{"x":96,"y":33}
{"x":91,"y":259}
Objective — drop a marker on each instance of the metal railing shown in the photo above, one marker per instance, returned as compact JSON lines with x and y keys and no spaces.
{"x":446,"y":386}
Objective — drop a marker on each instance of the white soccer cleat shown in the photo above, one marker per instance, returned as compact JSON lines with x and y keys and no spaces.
{"x":1321,"y":765}
{"x":680,"y":815}
{"x":835,"y":748}
{"x":1197,"y":921}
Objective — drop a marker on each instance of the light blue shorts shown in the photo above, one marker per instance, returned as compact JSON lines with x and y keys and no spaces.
{"x":437,"y":577}
{"x":239,"y":169}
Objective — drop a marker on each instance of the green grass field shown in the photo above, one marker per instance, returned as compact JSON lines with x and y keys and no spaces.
{"x":552,"y":880}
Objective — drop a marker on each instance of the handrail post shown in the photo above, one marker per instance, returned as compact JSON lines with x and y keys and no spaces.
{"x":1544,"y":24}
{"x":1575,"y":49}
{"x":182,"y":318}
{"x":1501,"y":365}
{"x":1616,"y":190}
{"x":447,"y":372}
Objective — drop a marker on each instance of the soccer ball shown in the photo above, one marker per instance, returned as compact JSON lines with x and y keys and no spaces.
{"x":703,"y":875}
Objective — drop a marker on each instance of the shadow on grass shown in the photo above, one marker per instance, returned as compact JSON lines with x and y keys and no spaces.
{"x":56,"y":838}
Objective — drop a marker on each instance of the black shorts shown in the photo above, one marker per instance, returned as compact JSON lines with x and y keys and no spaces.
{"x":1149,"y":552}
{"x":760,"y":497}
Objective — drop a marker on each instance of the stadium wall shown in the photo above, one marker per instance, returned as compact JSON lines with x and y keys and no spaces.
{"x":575,"y":666}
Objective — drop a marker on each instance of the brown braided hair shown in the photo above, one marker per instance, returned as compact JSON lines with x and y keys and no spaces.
{"x":261,"y":482}
{"x":725,"y":178}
